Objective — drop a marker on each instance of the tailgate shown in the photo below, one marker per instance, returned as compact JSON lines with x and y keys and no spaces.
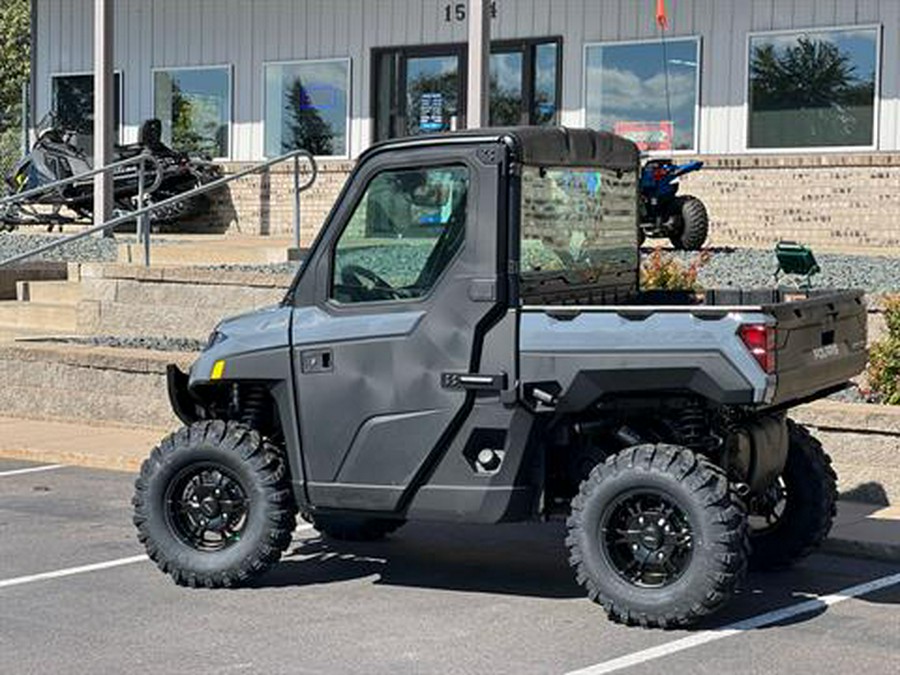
{"x":820,"y":342}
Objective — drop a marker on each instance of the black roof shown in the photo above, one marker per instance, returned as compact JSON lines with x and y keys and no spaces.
{"x":540,"y":146}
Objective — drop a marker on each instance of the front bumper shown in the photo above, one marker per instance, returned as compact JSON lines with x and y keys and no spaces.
{"x":183,"y":403}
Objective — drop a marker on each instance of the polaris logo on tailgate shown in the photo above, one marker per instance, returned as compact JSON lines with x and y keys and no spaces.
{"x":827,"y":352}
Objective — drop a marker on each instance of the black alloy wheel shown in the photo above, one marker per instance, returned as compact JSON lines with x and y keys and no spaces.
{"x":206,"y":507}
{"x":648,"y":539}
{"x":657,"y":536}
{"x":213,"y":504}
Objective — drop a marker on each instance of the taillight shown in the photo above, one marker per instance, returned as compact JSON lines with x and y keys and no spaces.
{"x":760,"y":341}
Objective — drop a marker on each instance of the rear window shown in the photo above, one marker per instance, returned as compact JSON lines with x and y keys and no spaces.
{"x":579,"y":227}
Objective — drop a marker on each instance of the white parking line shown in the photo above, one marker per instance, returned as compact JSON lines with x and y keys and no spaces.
{"x":70,"y":571}
{"x":753,"y":623}
{"x":33,"y":469}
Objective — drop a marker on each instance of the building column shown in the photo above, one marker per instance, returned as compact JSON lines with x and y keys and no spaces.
{"x":104,"y":107}
{"x":477,"y":95}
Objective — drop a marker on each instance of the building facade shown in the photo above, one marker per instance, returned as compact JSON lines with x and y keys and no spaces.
{"x":794,"y":104}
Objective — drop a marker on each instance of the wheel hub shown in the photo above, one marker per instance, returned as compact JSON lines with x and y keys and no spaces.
{"x":647,"y":539}
{"x":207,"y":508}
{"x":651,"y":538}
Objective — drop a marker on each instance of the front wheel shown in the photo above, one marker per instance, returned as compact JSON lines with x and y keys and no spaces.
{"x":656,"y":536}
{"x":212,"y":505}
{"x":791,"y":519}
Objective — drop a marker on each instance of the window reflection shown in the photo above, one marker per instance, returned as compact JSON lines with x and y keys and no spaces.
{"x":645,"y":91}
{"x":306,"y":107}
{"x":194,"y":106}
{"x":813,"y":89}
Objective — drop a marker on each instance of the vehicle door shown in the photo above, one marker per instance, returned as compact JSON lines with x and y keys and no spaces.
{"x":406,"y":284}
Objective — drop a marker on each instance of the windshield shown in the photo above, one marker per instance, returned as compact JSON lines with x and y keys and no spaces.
{"x":579,"y":226}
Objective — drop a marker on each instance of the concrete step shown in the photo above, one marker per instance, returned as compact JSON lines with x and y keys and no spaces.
{"x":38,"y":317}
{"x":52,"y":292}
{"x":181,"y":302}
{"x":12,"y":334}
{"x":93,"y":384}
{"x":211,"y":250}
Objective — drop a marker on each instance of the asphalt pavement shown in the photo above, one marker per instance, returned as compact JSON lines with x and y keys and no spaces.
{"x":431,"y":599}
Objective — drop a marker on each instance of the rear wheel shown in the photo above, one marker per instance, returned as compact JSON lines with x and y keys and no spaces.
{"x":212,"y":505}
{"x":694,"y":224}
{"x":656,"y":536}
{"x":795,"y":515}
{"x":353,"y":528}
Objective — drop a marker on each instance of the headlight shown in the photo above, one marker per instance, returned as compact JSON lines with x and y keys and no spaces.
{"x":215,"y":338}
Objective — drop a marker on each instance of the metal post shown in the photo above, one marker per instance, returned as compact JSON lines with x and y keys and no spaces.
{"x":104,"y":111}
{"x":297,"y":203}
{"x":25,"y":88}
{"x":142,"y":230}
{"x":478,"y":94}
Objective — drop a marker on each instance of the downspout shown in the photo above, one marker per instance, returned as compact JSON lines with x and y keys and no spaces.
{"x":32,"y":76}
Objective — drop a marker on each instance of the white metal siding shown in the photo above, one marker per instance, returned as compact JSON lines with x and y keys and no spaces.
{"x":247,"y":33}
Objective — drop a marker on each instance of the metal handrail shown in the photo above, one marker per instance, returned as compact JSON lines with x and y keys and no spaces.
{"x":199,"y":190}
{"x":55,"y":185}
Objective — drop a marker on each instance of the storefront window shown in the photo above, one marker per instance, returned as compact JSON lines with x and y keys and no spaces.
{"x":813,"y":89}
{"x":645,"y":91}
{"x":307,"y":107}
{"x":194,"y":105}
{"x":72,"y":103}
{"x":506,"y":88}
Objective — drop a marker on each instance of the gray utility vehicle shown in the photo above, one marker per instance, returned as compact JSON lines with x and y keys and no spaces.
{"x":467,"y":341}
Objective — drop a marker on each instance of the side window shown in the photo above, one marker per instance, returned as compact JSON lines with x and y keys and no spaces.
{"x":404,"y":233}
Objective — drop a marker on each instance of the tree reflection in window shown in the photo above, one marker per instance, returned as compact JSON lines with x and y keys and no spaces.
{"x":813,"y":90}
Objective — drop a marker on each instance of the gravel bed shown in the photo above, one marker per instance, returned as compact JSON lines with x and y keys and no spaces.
{"x":854,"y":394}
{"x":89,"y":249}
{"x":261,"y":268}
{"x":160,"y":344}
{"x":751,"y":268}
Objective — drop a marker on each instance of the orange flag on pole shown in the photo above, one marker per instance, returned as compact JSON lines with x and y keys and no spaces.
{"x":661,"y":17}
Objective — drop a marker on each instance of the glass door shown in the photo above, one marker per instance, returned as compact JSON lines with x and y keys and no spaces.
{"x":419,"y":90}
{"x":433,"y":94}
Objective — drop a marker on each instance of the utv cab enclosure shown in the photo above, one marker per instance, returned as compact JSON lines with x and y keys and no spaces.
{"x":467,"y":341}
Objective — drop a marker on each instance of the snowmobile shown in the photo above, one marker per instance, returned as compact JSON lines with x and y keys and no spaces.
{"x":56,"y":156}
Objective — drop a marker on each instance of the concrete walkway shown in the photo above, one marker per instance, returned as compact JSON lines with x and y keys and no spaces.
{"x":99,"y":447}
{"x":864,"y":530}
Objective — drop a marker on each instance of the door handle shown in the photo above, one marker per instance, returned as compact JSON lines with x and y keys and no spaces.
{"x":316,"y":361}
{"x":473,"y":381}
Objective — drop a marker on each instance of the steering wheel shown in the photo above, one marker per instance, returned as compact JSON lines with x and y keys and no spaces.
{"x":355,"y":275}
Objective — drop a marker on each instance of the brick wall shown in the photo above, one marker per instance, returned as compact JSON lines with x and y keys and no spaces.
{"x":829,"y":201}
{"x":264,"y":204}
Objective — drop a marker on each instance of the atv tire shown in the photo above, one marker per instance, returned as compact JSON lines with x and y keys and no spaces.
{"x":808,"y":495}
{"x":657,"y":537}
{"x":694,"y":224}
{"x":350,"y":528}
{"x":213,"y":506}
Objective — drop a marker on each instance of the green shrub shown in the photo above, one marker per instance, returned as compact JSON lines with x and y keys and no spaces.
{"x":662,"y":272}
{"x":884,"y":358}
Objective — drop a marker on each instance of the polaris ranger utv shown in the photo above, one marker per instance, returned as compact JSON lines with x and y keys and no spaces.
{"x":467,"y":341}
